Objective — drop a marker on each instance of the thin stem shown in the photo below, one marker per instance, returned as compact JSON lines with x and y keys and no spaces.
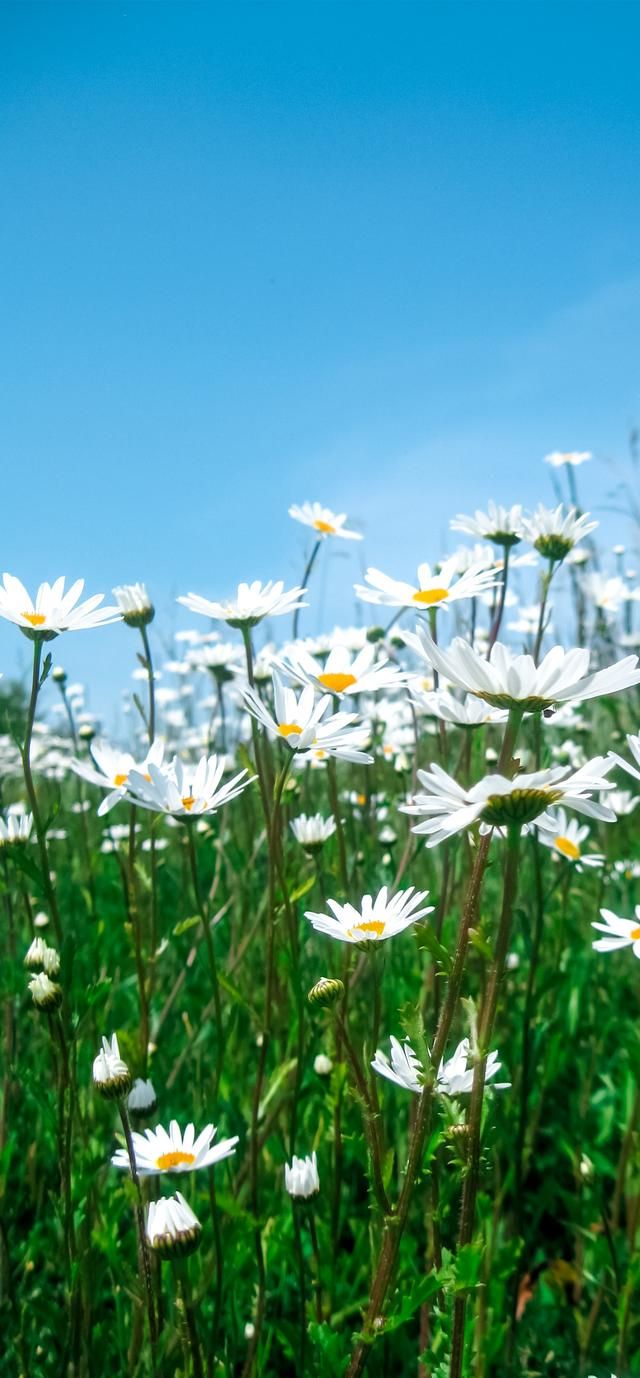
{"x":182,"y":1278}
{"x":262,"y":1061}
{"x":485,"y":1032}
{"x":394,"y":1227}
{"x":497,"y":621}
{"x":546,"y":585}
{"x":136,"y":927}
{"x":143,"y":1251}
{"x":332,"y":777}
{"x":317,"y":1285}
{"x":151,"y":714}
{"x":41,"y":835}
{"x":305,"y":580}
{"x":211,"y":951}
{"x":302,"y":1298}
{"x":219,"y":1258}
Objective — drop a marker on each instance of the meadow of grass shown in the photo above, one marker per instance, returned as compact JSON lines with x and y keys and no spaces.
{"x":473,"y":1216}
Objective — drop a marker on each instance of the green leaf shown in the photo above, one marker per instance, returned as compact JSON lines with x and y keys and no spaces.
{"x":422,"y":1290}
{"x":302,"y":889}
{"x":185,"y":924}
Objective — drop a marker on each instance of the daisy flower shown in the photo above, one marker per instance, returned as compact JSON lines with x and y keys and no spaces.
{"x":342,"y":673}
{"x":454,"y":1077}
{"x":156,"y":1151}
{"x":312,"y":832}
{"x":619,"y":932}
{"x":559,"y":458}
{"x":134,"y":604}
{"x":496,"y":801}
{"x":468,"y":712}
{"x":251,"y":603}
{"x":555,"y":532}
{"x":142,"y":1099}
{"x":110,"y":769}
{"x":323,"y":521}
{"x":40,"y":957}
{"x":606,"y":594}
{"x":502,"y":525}
{"x":506,"y":680}
{"x":297,"y":721}
{"x":183,"y":790}
{"x":111,"y":1076}
{"x":301,"y":1178}
{"x":375,"y":920}
{"x":16,"y":829}
{"x":53,"y":611}
{"x":565,"y":836}
{"x":295,"y":718}
{"x":45,"y":993}
{"x":172,"y":1229}
{"x":633,"y":743}
{"x":434,"y":589}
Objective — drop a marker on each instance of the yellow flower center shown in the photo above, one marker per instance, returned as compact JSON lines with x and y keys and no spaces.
{"x":119,"y":780}
{"x":168,"y":1160}
{"x":568,"y":848}
{"x":188,"y":802}
{"x":635,"y":934}
{"x":429,"y":596}
{"x":337,"y":683}
{"x":325,"y":527}
{"x":35,"y":619}
{"x":287,"y":729}
{"x":361,"y":799}
{"x":370,"y":926}
{"x":320,"y":754}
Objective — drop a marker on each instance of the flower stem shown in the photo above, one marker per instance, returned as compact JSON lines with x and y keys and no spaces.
{"x":211,"y":951}
{"x":305,"y":579}
{"x":485,"y":1032}
{"x":41,"y":835}
{"x":143,"y":1251}
{"x":497,"y":621}
{"x":151,"y":714}
{"x":395,"y":1225}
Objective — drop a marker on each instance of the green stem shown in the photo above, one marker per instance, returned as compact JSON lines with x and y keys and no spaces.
{"x":394,"y":1227}
{"x":143,"y":1250}
{"x":485,"y":1033}
{"x":151,"y":715}
{"x":41,"y":835}
{"x":211,"y":951}
{"x":305,"y":579}
{"x":497,"y":621}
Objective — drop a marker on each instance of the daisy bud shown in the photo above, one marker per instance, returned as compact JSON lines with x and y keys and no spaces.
{"x":39,"y":957}
{"x":323,"y":1065}
{"x":59,"y":674}
{"x":142,"y":1100}
{"x":375,"y":634}
{"x":111,"y":1076}
{"x":46,"y":994}
{"x":173,"y":1231}
{"x":86,"y":732}
{"x":326,"y":992}
{"x":134,"y":604}
{"x":249,"y":1330}
{"x":301,"y":1178}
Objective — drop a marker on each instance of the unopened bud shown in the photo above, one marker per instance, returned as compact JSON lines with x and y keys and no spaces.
{"x":326,"y":992}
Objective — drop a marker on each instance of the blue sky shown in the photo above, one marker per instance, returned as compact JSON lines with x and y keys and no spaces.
{"x":385,"y":255}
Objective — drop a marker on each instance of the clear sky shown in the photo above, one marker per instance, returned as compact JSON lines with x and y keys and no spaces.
{"x":380,"y":254}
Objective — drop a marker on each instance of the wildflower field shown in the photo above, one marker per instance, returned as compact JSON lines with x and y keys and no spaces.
{"x":320,"y":1036}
